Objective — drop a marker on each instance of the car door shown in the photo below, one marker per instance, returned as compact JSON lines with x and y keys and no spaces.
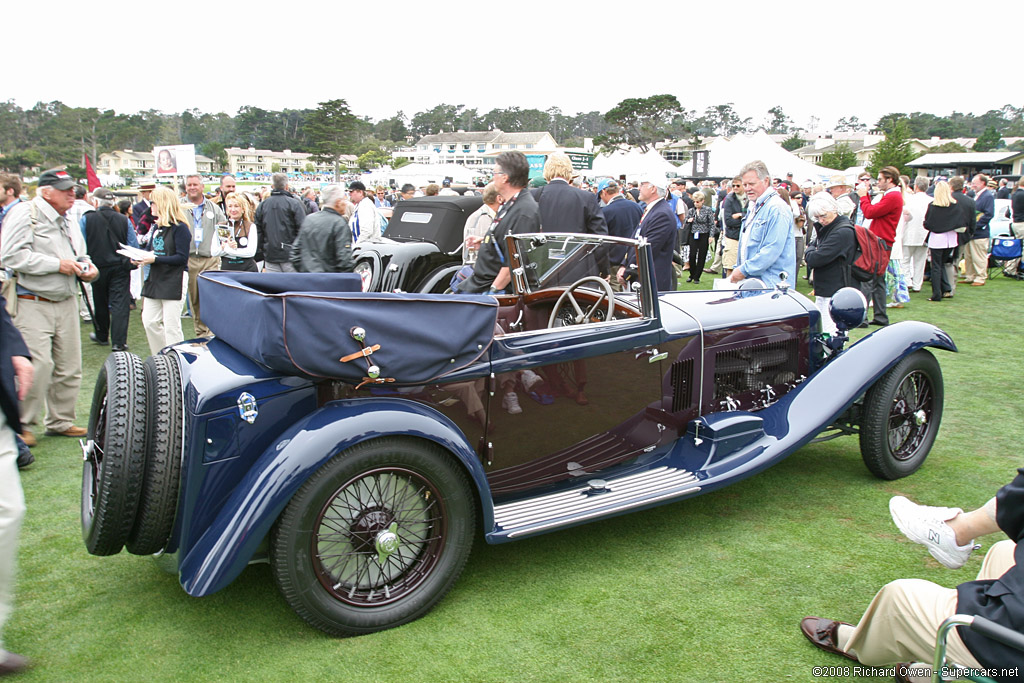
{"x":596,"y":406}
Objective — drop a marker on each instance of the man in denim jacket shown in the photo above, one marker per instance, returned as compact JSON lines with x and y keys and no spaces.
{"x":767,"y":247}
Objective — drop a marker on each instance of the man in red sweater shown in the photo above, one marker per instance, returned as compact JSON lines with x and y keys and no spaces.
{"x":884,"y":215}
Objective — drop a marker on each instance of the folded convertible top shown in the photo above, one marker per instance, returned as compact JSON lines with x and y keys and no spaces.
{"x":300,"y":324}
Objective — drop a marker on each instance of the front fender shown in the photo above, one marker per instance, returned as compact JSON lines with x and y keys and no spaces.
{"x":226,"y":547}
{"x":801,"y":414}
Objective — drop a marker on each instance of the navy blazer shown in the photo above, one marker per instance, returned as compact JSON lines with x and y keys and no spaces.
{"x":659,"y":227}
{"x":1000,"y":600}
{"x":11,"y":344}
{"x":622,"y":217}
{"x":564,"y":208}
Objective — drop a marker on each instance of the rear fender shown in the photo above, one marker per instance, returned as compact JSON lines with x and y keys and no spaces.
{"x":226,"y":547}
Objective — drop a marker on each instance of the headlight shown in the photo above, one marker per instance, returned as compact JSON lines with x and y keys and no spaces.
{"x":848,"y":308}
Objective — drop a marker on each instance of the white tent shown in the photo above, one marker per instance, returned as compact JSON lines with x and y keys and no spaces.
{"x":423,"y":174}
{"x":726,"y":156}
{"x":634,"y":164}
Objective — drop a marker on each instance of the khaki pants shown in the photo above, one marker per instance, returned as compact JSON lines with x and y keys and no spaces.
{"x":976,"y":260}
{"x":162,"y":320}
{"x":197,"y":265}
{"x":12,"y":511}
{"x":729,"y":253}
{"x":53,"y":334}
{"x":902,"y":621}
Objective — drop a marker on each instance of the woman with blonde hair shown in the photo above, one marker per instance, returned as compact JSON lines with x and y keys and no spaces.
{"x":941,"y":220}
{"x":161,"y":292}
{"x":238,"y":249}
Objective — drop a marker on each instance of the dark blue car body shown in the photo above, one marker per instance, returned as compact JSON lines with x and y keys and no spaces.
{"x":658,"y":398}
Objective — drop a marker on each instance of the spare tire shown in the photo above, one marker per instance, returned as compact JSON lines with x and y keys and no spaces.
{"x":164,"y":444}
{"x":115,"y":454}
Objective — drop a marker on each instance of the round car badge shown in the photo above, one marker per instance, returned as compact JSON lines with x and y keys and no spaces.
{"x":247,"y":409}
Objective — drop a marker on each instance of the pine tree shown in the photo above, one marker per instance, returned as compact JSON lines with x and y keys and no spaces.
{"x":895,"y":149}
{"x":330,"y":127}
{"x":839,"y":158}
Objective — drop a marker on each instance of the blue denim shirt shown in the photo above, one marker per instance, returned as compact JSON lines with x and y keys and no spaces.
{"x":768,"y":247}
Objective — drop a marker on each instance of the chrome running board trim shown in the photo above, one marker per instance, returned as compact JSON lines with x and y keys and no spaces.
{"x":582,"y":502}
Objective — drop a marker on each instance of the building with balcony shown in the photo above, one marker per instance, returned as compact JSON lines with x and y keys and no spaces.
{"x":262,"y":161}
{"x":141,"y":163}
{"x":475,"y":148}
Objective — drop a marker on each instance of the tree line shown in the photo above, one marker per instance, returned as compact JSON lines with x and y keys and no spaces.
{"x":53,"y":133}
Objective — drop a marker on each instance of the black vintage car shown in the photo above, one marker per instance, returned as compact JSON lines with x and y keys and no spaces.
{"x":421,"y":249}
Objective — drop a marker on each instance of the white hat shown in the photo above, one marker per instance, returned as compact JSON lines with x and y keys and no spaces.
{"x":658,"y":181}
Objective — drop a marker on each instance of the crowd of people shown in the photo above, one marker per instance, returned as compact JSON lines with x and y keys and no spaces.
{"x":67,"y":249}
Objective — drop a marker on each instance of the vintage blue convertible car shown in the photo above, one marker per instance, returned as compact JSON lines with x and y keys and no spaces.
{"x":359,"y":440}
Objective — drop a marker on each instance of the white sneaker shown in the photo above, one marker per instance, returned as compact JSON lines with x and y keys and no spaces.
{"x":511,"y":403}
{"x":927,"y":525}
{"x":529,"y":379}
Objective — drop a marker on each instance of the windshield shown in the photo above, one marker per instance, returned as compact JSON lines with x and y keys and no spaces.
{"x":554,"y":260}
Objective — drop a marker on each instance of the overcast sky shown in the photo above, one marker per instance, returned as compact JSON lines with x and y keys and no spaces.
{"x":822,"y":59}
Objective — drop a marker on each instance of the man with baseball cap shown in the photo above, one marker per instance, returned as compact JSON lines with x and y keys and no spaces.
{"x":364,"y":222}
{"x":38,"y":246}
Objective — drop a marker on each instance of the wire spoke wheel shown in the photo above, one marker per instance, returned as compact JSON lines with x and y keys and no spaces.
{"x":375,"y":537}
{"x":908,"y":420}
{"x":379,"y":536}
{"x":901,"y":416}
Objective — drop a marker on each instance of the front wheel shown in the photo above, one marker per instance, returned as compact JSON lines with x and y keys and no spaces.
{"x":901,"y":416}
{"x":375,"y":538}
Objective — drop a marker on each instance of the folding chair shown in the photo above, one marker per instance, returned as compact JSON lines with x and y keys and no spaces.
{"x":1004,"y":250}
{"x":980,"y":625}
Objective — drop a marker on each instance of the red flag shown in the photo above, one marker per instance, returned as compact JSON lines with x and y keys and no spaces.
{"x":94,"y":181}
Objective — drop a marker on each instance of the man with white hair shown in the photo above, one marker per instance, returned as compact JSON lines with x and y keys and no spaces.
{"x":915,"y":237}
{"x":767,"y":247}
{"x":37,"y":245}
{"x":324,"y":243}
{"x":658,"y":226}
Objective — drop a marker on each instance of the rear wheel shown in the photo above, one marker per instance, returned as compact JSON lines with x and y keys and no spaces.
{"x":115,"y":454}
{"x":159,"y":497}
{"x":901,"y":416}
{"x":375,"y":538}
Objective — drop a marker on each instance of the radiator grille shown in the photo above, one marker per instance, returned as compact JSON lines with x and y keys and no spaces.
{"x":752,"y":368}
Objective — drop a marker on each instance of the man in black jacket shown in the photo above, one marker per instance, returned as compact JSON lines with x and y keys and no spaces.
{"x":15,"y":364}
{"x":519,"y":214}
{"x":324,"y":244}
{"x":564,"y":208}
{"x":622,"y":216}
{"x":105,"y":231}
{"x":902,"y":621}
{"x":734,"y":209}
{"x":278,"y":219}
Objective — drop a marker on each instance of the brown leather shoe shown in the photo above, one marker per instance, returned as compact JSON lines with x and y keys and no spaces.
{"x":12,"y":663}
{"x":977,"y":284}
{"x":29,"y":438}
{"x":822,"y":632}
{"x":72,"y":431}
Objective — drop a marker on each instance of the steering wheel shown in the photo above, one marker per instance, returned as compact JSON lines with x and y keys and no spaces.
{"x":579,"y":317}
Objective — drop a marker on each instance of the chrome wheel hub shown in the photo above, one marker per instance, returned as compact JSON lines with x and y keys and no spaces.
{"x":386,"y":542}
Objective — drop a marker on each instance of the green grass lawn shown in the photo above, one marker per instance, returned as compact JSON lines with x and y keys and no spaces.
{"x":709,"y":589}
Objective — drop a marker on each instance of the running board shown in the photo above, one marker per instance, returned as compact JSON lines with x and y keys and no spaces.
{"x":596,"y":498}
